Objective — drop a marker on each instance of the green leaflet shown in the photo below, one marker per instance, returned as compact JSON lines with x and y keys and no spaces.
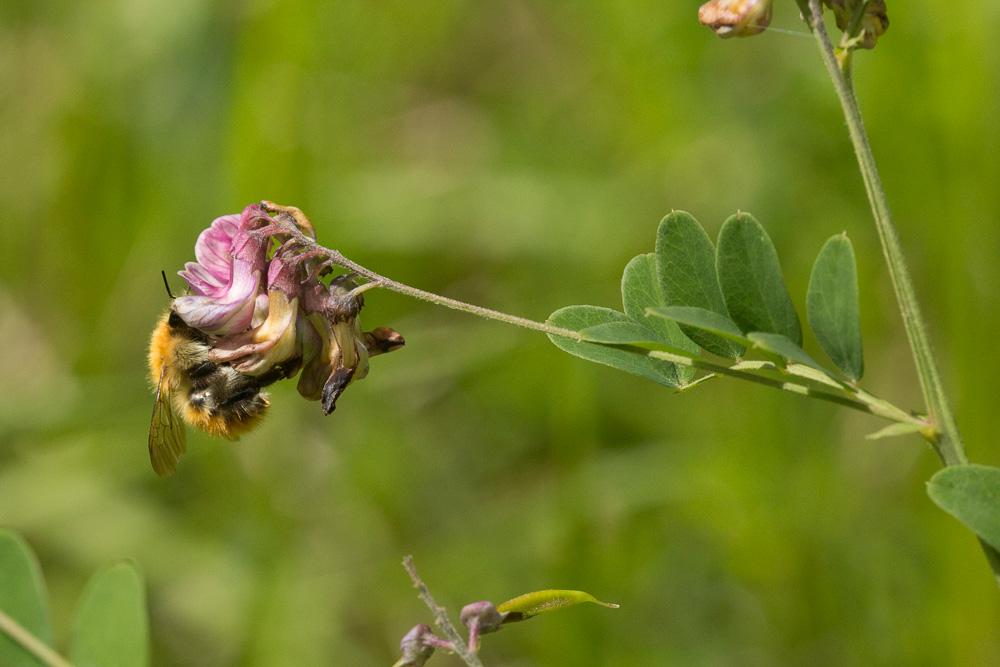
{"x":702,"y":320}
{"x":641,"y":290}
{"x":579,"y":318}
{"x":971,"y":494}
{"x":22,"y":597}
{"x":782,"y":347}
{"x":751,"y":280}
{"x":110,"y":628}
{"x":832,"y":306}
{"x":685,"y":266}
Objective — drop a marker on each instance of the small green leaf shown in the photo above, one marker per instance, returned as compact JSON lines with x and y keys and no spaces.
{"x":700,"y":319}
{"x":22,"y":597}
{"x":751,"y":280}
{"x":641,"y":290}
{"x":971,"y":494}
{"x":832,"y":306}
{"x":780,"y":346}
{"x":531,"y":604}
{"x":579,"y":318}
{"x":685,"y":266}
{"x":110,"y":628}
{"x":626,"y":332}
{"x":893,"y":430}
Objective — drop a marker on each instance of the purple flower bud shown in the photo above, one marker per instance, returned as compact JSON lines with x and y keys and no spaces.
{"x":481,"y":618}
{"x":415,"y":648}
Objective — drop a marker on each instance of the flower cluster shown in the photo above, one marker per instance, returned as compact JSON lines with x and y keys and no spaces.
{"x":257,"y":292}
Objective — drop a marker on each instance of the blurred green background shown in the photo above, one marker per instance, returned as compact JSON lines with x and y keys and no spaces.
{"x":514,"y":154}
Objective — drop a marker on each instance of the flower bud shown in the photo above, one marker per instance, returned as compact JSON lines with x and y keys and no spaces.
{"x":736,"y":18}
{"x":480,"y":618}
{"x":414,"y":647}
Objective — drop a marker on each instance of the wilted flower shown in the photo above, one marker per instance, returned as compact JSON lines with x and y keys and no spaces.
{"x":339,"y":354}
{"x":226,"y":280}
{"x":873,"y":22}
{"x":736,"y":18}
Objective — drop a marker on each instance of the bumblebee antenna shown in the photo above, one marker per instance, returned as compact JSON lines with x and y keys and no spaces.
{"x":167,"y":284}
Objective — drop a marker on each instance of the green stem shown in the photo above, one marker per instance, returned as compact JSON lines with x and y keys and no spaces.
{"x":310,"y":245}
{"x":948,"y":442}
{"x":944,"y":435}
{"x":30,"y":643}
{"x":441,"y":619}
{"x":872,"y":406}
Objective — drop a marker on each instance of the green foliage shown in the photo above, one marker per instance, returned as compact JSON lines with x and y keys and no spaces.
{"x":685,"y":265}
{"x":971,"y":494}
{"x":782,"y":349}
{"x":697,"y":319}
{"x":531,"y":604}
{"x":641,"y":290}
{"x":582,"y":318}
{"x":832,"y":306}
{"x":22,"y":597}
{"x":702,"y":288}
{"x":751,"y":280}
{"x":110,"y":628}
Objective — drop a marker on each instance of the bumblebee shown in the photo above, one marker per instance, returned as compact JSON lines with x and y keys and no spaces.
{"x":191,"y":388}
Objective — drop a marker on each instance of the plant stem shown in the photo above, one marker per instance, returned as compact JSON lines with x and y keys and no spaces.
{"x":31,"y":643}
{"x":944,"y":437}
{"x":441,"y":619}
{"x":876,"y":407}
{"x":947,"y":442}
{"x":335,"y":257}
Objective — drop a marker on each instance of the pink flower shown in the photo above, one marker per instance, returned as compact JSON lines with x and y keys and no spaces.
{"x":275,"y":339}
{"x":270,"y":317}
{"x":226,"y":281}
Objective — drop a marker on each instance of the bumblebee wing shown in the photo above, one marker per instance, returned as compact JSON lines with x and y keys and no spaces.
{"x":167,"y":438}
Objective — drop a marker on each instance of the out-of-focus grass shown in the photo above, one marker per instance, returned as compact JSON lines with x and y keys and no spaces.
{"x":514,"y":154}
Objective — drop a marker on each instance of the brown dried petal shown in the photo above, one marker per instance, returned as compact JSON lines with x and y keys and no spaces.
{"x":736,"y":18}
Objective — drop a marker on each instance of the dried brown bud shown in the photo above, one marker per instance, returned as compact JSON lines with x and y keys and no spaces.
{"x":736,"y":18}
{"x":872,"y":23}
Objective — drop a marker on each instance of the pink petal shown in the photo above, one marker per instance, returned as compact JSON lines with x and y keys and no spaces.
{"x":201,"y":281}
